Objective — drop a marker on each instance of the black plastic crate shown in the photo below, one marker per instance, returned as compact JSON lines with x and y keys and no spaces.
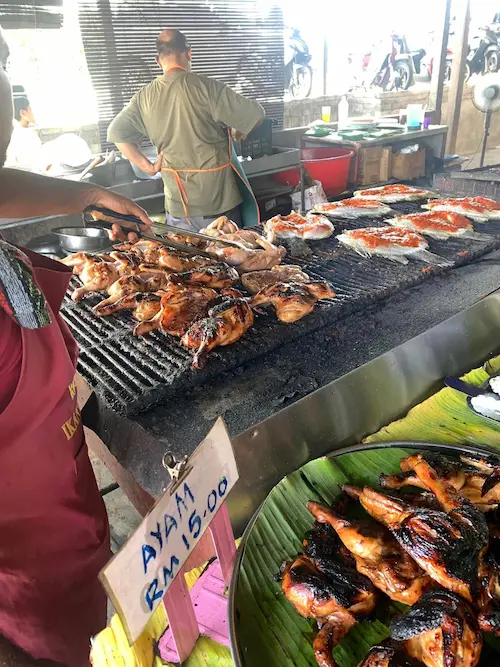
{"x":259,"y":142}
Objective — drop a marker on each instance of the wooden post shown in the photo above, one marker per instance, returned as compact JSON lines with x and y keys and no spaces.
{"x":439,"y":55}
{"x":457,"y":76}
{"x":325,"y":65}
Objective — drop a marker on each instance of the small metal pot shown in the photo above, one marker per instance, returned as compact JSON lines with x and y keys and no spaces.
{"x":83,"y":239}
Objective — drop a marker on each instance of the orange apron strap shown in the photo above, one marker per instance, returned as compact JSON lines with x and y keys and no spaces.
{"x":180,"y":185}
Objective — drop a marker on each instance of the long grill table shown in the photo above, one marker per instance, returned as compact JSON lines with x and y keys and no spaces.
{"x":131,"y":375}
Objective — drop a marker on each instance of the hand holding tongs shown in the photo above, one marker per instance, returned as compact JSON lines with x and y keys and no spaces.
{"x":107,"y":217}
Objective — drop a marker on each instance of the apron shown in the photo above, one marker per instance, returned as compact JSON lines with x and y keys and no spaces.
{"x":250,"y":214}
{"x":54,"y":533}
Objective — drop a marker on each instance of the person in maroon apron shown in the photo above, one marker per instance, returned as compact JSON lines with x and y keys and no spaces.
{"x":54,"y":533}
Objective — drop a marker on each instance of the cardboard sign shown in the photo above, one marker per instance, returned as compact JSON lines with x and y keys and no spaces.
{"x":139,"y":575}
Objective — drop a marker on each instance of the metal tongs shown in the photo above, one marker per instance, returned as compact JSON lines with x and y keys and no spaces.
{"x":106,"y":217}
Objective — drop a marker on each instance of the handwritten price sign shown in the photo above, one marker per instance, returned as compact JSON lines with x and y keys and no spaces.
{"x":142,"y":571}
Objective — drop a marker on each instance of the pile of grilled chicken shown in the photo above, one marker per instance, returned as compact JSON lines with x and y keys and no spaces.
{"x":431,"y":546}
{"x":194,"y":297}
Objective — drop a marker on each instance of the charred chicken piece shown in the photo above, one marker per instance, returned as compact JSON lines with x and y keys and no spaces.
{"x":180,"y":306}
{"x":330,"y":635}
{"x":282,"y":273}
{"x":127,"y":285}
{"x":387,"y":656}
{"x":322,"y":543}
{"x":216,"y":277}
{"x":126,"y":263}
{"x":378,"y":555}
{"x":329,"y":593}
{"x":247,"y":259}
{"x":144,"y":305}
{"x":96,"y":276}
{"x":440,"y":630}
{"x":446,"y":544}
{"x":292,"y":301}
{"x":176,"y":261}
{"x":476,"y":479}
{"x":226,"y":323}
{"x":222,"y":224}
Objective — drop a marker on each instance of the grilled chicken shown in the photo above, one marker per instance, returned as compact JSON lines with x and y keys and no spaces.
{"x":378,"y":555}
{"x":248,"y":259}
{"x":127,"y":285}
{"x":226,"y":323}
{"x":489,"y":593}
{"x":440,"y":630}
{"x":216,"y":277}
{"x":474,"y":478}
{"x":282,"y":273}
{"x":330,"y":593}
{"x":180,"y":307}
{"x":447,"y":544}
{"x":144,"y":305}
{"x":386,"y":656}
{"x":96,"y":276}
{"x":292,"y":301}
{"x":222,"y":224}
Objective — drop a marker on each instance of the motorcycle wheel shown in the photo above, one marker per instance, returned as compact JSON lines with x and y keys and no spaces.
{"x":447,"y":72}
{"x":492,"y":62}
{"x":301,"y":84}
{"x":467,"y":72}
{"x":405,"y":74}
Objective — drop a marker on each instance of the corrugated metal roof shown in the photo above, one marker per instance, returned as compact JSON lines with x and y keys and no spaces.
{"x":15,"y":14}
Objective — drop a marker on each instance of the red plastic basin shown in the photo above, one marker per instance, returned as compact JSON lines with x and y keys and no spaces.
{"x":328,"y":165}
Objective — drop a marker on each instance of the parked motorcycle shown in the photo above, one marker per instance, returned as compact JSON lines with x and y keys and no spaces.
{"x":484,"y":53}
{"x":389,"y":69}
{"x":298,"y":72}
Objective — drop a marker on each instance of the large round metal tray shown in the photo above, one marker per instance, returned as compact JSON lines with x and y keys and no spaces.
{"x":237,"y":614}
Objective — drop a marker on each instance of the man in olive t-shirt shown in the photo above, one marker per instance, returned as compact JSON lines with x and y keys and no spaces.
{"x":187,"y":117}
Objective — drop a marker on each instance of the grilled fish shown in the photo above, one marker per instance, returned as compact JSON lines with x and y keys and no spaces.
{"x":480,"y":209}
{"x":438,"y":225}
{"x":395,"y":244}
{"x":353,"y":208}
{"x":309,"y":227}
{"x":440,"y":630}
{"x":395,"y":193}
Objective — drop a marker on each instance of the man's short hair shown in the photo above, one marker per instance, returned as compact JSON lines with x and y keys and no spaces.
{"x":20,"y":104}
{"x":177,"y":43}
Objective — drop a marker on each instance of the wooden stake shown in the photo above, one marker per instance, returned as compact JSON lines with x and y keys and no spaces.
{"x":439,"y":68}
{"x":457,"y":76}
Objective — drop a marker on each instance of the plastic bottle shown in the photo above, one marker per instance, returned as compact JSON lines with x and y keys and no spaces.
{"x":343,"y":111}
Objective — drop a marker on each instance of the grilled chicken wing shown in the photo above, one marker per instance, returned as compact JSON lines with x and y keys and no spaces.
{"x":127,"y":285}
{"x":440,"y":630}
{"x":446,"y":544}
{"x":330,"y":593}
{"x":248,"y":259}
{"x":226,"y":323}
{"x":292,"y":301}
{"x":216,"y":277}
{"x":222,"y":224}
{"x":180,"y":306}
{"x":282,"y":273}
{"x":474,"y":478}
{"x":96,"y":276}
{"x":144,"y":305}
{"x":386,"y":656}
{"x":378,"y":556}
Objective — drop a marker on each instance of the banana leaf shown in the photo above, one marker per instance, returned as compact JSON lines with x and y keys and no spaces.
{"x":267,"y":630}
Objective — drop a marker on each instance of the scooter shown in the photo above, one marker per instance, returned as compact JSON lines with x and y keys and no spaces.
{"x":393,"y":70}
{"x":298,"y":72}
{"x":484,"y":53}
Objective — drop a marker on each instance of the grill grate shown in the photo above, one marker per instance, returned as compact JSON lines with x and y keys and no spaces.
{"x":133,"y":374}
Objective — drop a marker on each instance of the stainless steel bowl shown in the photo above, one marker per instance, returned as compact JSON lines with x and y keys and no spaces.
{"x":83,"y":239}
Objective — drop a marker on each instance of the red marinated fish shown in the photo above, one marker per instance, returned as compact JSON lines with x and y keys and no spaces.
{"x":355,"y":207}
{"x":390,"y":242}
{"x":480,"y":209}
{"x":438,"y":225}
{"x":310,"y":227}
{"x":395,"y":193}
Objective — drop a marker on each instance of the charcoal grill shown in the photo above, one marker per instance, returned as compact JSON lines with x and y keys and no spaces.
{"x":132,"y":374}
